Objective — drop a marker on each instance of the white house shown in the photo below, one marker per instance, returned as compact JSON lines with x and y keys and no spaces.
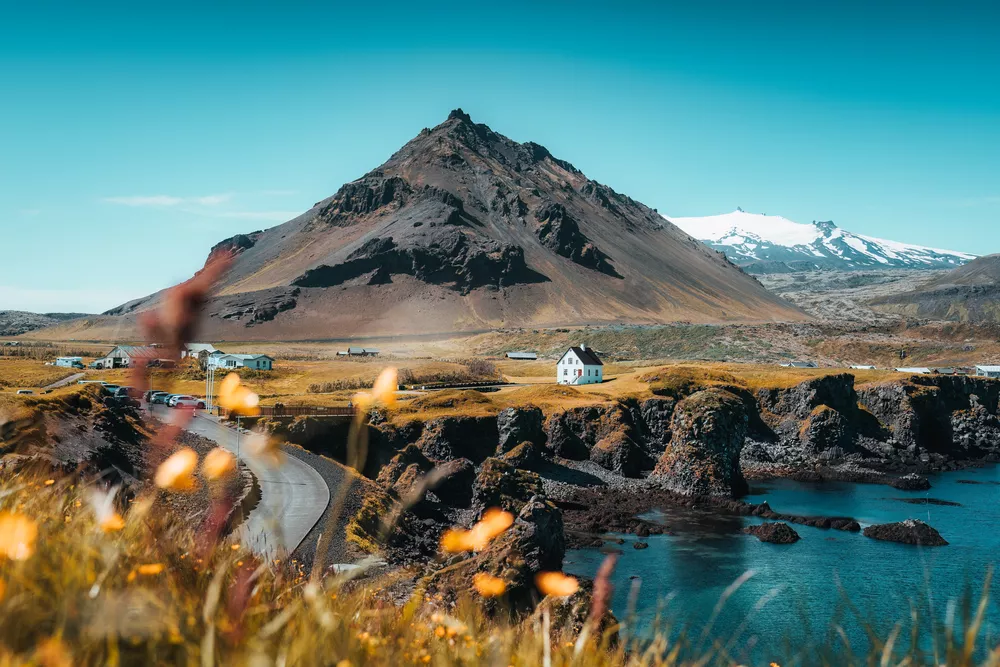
{"x":127,"y":356}
{"x":260,"y":362}
{"x":195,"y":349}
{"x":988,"y":371}
{"x":69,"y":362}
{"x":579,"y":366}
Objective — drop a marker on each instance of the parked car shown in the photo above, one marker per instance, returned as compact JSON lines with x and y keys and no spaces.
{"x":111,"y":388}
{"x":25,"y":392}
{"x":77,"y":364}
{"x":188,"y":402}
{"x":160,"y":397}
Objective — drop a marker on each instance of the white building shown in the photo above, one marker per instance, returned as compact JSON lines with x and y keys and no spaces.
{"x":522,"y":356}
{"x":127,"y":356}
{"x":69,"y":362}
{"x":916,"y":370}
{"x":195,"y":349}
{"x":799,"y":364}
{"x":260,"y":362}
{"x":579,"y":366}
{"x":863,"y":367}
{"x":988,"y":371}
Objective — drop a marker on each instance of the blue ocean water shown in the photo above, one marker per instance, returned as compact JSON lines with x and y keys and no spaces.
{"x":797,"y":592}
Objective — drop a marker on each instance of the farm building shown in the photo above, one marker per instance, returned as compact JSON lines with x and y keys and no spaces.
{"x":522,"y":356}
{"x":260,"y":362}
{"x":69,"y":362}
{"x":127,"y":356}
{"x":988,"y":371}
{"x":359,"y":352}
{"x":195,"y":349}
{"x":579,"y":365}
{"x":863,"y":367}
{"x":799,"y":364}
{"x":916,"y":370}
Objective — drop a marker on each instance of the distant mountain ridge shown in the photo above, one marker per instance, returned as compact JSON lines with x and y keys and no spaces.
{"x":17,"y":322}
{"x":970,"y":294}
{"x":464,"y":229}
{"x":773,"y":244}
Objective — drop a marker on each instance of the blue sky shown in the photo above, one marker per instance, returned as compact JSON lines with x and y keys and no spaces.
{"x":134,"y":136}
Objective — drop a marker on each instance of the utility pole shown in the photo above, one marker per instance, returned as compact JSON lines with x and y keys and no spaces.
{"x":210,"y":387}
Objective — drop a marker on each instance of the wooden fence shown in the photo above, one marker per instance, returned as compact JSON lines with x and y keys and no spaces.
{"x":298,"y":411}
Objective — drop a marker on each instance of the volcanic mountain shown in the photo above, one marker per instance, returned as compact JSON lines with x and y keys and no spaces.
{"x":970,"y":293}
{"x":773,"y":244}
{"x":464,"y":229}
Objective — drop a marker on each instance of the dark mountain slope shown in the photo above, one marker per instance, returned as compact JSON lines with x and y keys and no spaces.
{"x":970,"y":293}
{"x":465,"y":229}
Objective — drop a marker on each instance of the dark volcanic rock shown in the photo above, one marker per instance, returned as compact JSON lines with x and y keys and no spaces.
{"x":500,"y":484}
{"x":911,"y":482}
{"x":526,"y":456}
{"x":455,"y":484}
{"x":640,"y":545}
{"x":446,"y":438}
{"x":535,"y":543}
{"x":928,"y":501}
{"x":517,"y":425}
{"x":776,"y":533}
{"x":559,"y":232}
{"x":404,"y":469}
{"x":703,"y":457}
{"x":911,"y":531}
{"x":619,"y":453}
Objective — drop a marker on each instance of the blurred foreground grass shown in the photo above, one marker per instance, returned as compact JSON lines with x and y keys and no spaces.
{"x":74,"y":591}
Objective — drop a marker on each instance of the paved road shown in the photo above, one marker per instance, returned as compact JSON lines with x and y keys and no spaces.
{"x":65,"y":381}
{"x":293,"y":496}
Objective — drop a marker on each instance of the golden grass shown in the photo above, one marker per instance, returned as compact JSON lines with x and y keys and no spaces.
{"x":29,"y":374}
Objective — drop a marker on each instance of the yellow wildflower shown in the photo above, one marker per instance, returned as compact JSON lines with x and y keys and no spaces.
{"x":383,"y":391}
{"x":556,"y":584}
{"x":487,"y":585}
{"x":17,"y":536}
{"x":177,"y":472}
{"x":218,"y":463}
{"x":150,"y":569}
{"x":494,"y":522}
{"x":234,"y":396}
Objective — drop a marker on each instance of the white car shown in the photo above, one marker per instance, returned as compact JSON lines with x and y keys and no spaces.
{"x":187,"y":402}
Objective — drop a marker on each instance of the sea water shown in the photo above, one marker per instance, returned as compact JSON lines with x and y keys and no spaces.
{"x":796,"y":595}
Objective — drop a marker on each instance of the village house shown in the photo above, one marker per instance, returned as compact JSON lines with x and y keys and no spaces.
{"x":799,"y":364}
{"x":195,"y":350}
{"x":522,"y":356}
{"x":127,"y":356}
{"x":259,"y":362}
{"x":988,"y":371}
{"x":579,"y":365}
{"x":359,"y":352}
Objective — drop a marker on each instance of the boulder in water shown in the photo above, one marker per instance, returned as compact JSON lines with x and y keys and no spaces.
{"x":911,"y":531}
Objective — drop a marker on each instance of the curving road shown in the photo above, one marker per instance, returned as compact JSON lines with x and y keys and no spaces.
{"x":293,"y":496}
{"x":64,"y":381}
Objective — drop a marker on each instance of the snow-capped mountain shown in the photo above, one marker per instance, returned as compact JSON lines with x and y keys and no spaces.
{"x":773,"y":244}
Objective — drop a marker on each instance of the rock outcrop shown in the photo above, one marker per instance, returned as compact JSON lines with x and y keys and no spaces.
{"x":703,"y":456}
{"x":775,"y":533}
{"x":911,"y":531}
{"x":499,"y":484}
{"x":447,"y":438}
{"x":517,"y":425}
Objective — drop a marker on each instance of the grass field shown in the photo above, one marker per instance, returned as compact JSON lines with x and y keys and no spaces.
{"x":29,"y":374}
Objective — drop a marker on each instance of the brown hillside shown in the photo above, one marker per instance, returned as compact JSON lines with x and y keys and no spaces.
{"x":464,"y":229}
{"x":970,"y":293}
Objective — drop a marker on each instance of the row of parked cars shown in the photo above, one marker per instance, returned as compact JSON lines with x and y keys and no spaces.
{"x":125,"y":393}
{"x":174,"y":400}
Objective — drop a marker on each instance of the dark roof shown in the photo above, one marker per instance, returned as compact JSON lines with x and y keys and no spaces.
{"x":587,"y":356}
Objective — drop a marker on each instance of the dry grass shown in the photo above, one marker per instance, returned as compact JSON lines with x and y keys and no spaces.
{"x":682,"y":377}
{"x":30,"y":374}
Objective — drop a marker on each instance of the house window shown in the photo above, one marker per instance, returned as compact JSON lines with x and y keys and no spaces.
{"x":565,"y":372}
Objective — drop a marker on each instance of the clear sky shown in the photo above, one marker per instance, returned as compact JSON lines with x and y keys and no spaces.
{"x":134,"y":136}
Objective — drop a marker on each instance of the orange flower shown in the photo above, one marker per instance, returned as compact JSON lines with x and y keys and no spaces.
{"x":494,"y":522}
{"x":234,"y":396}
{"x":218,"y":463}
{"x":488,"y":585}
{"x":151,"y":569}
{"x":383,"y":391}
{"x":17,"y":536}
{"x":177,"y":472}
{"x":53,"y":653}
{"x":556,"y":584}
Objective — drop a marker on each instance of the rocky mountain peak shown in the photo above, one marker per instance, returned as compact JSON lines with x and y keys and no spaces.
{"x":458,"y":114}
